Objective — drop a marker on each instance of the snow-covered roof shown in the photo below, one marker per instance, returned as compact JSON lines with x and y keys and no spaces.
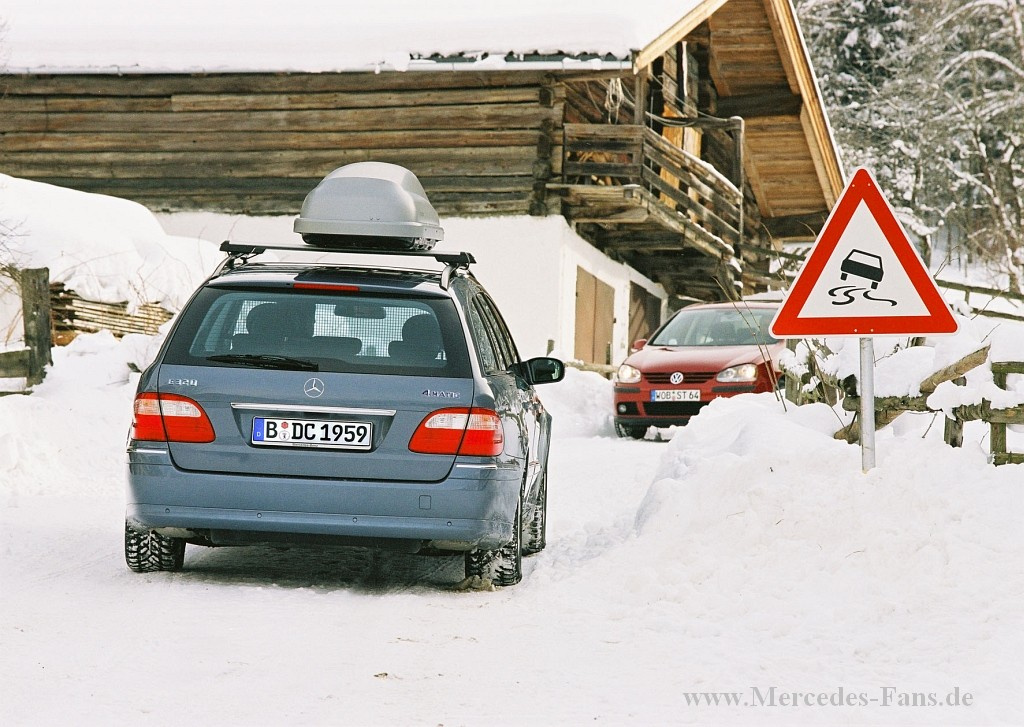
{"x":122,"y":36}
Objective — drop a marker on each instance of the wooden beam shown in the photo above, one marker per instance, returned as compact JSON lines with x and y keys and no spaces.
{"x":154,"y":84}
{"x":799,"y":227}
{"x":233,"y":140}
{"x":14,"y":364}
{"x":770,"y":103}
{"x":141,"y":165}
{"x":492,"y":117}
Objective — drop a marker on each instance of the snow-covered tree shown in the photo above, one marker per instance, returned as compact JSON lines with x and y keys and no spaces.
{"x":928,"y":94}
{"x":978,"y":87}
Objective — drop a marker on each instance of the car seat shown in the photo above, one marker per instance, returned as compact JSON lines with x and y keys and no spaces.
{"x":420,"y":343}
{"x":271,"y":328}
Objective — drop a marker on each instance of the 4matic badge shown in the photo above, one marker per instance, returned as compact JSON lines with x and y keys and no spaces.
{"x":435,"y":394}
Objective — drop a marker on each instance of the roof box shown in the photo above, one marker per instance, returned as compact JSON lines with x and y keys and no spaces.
{"x":368,"y":206}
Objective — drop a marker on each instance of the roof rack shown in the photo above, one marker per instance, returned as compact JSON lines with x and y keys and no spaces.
{"x":239,"y":254}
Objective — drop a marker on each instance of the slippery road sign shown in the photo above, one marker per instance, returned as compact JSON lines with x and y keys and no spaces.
{"x":863,"y":277}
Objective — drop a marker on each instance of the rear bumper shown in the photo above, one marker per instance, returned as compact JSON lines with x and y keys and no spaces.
{"x":473,"y":507}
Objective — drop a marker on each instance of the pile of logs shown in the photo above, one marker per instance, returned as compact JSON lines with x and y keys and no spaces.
{"x":73,"y":314}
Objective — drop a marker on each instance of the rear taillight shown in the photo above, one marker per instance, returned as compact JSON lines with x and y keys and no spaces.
{"x":170,"y":418}
{"x":459,"y":431}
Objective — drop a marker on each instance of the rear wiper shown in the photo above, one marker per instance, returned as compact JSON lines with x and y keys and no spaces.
{"x":266,"y":361}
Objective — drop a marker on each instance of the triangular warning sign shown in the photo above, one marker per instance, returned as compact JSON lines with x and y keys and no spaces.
{"x":863,"y":277}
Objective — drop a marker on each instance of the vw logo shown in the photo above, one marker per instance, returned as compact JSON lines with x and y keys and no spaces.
{"x":675,"y":378}
{"x":313,"y":388}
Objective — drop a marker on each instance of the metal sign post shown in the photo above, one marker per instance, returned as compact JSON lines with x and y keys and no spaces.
{"x":867,"y":404}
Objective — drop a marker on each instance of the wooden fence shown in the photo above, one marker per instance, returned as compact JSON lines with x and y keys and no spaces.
{"x":30,"y":362}
{"x":887,"y":409}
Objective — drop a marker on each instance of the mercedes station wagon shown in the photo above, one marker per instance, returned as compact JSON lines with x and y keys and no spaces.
{"x":339,"y":402}
{"x":703,"y":352}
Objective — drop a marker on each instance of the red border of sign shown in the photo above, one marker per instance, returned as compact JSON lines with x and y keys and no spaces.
{"x":788,"y":322}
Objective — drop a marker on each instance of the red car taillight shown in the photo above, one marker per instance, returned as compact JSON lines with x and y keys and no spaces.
{"x":170,"y":418}
{"x":459,"y":431}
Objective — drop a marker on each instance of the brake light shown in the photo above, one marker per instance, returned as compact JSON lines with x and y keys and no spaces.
{"x":475,"y":432}
{"x":170,"y":418}
{"x":334,"y":287}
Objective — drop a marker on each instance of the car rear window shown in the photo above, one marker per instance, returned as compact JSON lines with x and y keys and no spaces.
{"x":323,"y":331}
{"x":717,"y":327}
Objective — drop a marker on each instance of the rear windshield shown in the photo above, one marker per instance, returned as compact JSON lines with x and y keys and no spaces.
{"x":717,"y":327}
{"x":321,"y":331}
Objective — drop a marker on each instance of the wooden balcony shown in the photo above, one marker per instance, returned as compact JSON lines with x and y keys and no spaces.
{"x":639,"y":198}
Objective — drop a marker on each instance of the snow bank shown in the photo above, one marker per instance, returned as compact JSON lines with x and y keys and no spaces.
{"x":761,"y":530}
{"x":68,"y":437}
{"x":106,"y":249}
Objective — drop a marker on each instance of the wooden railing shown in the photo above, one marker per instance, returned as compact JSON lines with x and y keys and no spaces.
{"x":689,"y":189}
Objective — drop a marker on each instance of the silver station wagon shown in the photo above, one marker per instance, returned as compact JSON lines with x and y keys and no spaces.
{"x":337,"y":402}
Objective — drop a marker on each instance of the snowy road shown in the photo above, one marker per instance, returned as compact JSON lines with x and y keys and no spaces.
{"x":350,"y":636}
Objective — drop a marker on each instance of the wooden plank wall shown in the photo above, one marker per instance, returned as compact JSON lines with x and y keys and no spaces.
{"x":481,"y":143}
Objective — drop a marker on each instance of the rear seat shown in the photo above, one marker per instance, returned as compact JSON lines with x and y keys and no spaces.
{"x":345,"y":348}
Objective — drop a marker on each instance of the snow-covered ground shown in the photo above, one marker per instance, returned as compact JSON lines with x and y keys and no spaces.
{"x":748,"y":554}
{"x":739,"y":570}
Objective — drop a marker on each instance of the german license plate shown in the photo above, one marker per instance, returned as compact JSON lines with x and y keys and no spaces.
{"x":311,"y":433}
{"x":675,"y":395}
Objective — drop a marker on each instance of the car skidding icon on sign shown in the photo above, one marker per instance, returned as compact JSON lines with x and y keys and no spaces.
{"x":865,"y":265}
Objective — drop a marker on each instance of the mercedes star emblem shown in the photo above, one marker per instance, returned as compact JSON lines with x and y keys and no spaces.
{"x":675,"y":378}
{"x":313,"y":388}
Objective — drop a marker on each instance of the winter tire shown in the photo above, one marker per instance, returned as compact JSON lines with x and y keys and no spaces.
{"x":503,"y":566}
{"x":146,"y":551}
{"x":535,"y":538}
{"x":631,"y":431}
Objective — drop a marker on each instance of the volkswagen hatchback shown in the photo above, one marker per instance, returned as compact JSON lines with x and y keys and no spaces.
{"x":337,"y":403}
{"x":703,"y":352}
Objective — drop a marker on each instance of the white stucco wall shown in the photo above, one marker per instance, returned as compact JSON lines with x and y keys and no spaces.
{"x":528,"y":264}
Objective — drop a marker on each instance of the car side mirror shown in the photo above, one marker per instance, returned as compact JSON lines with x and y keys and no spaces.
{"x":639,"y":343}
{"x":541,"y":370}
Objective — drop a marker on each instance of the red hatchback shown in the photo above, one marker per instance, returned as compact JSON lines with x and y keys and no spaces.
{"x":701,"y":353}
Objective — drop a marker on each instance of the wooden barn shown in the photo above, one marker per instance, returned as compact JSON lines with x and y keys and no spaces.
{"x":687,"y":158}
